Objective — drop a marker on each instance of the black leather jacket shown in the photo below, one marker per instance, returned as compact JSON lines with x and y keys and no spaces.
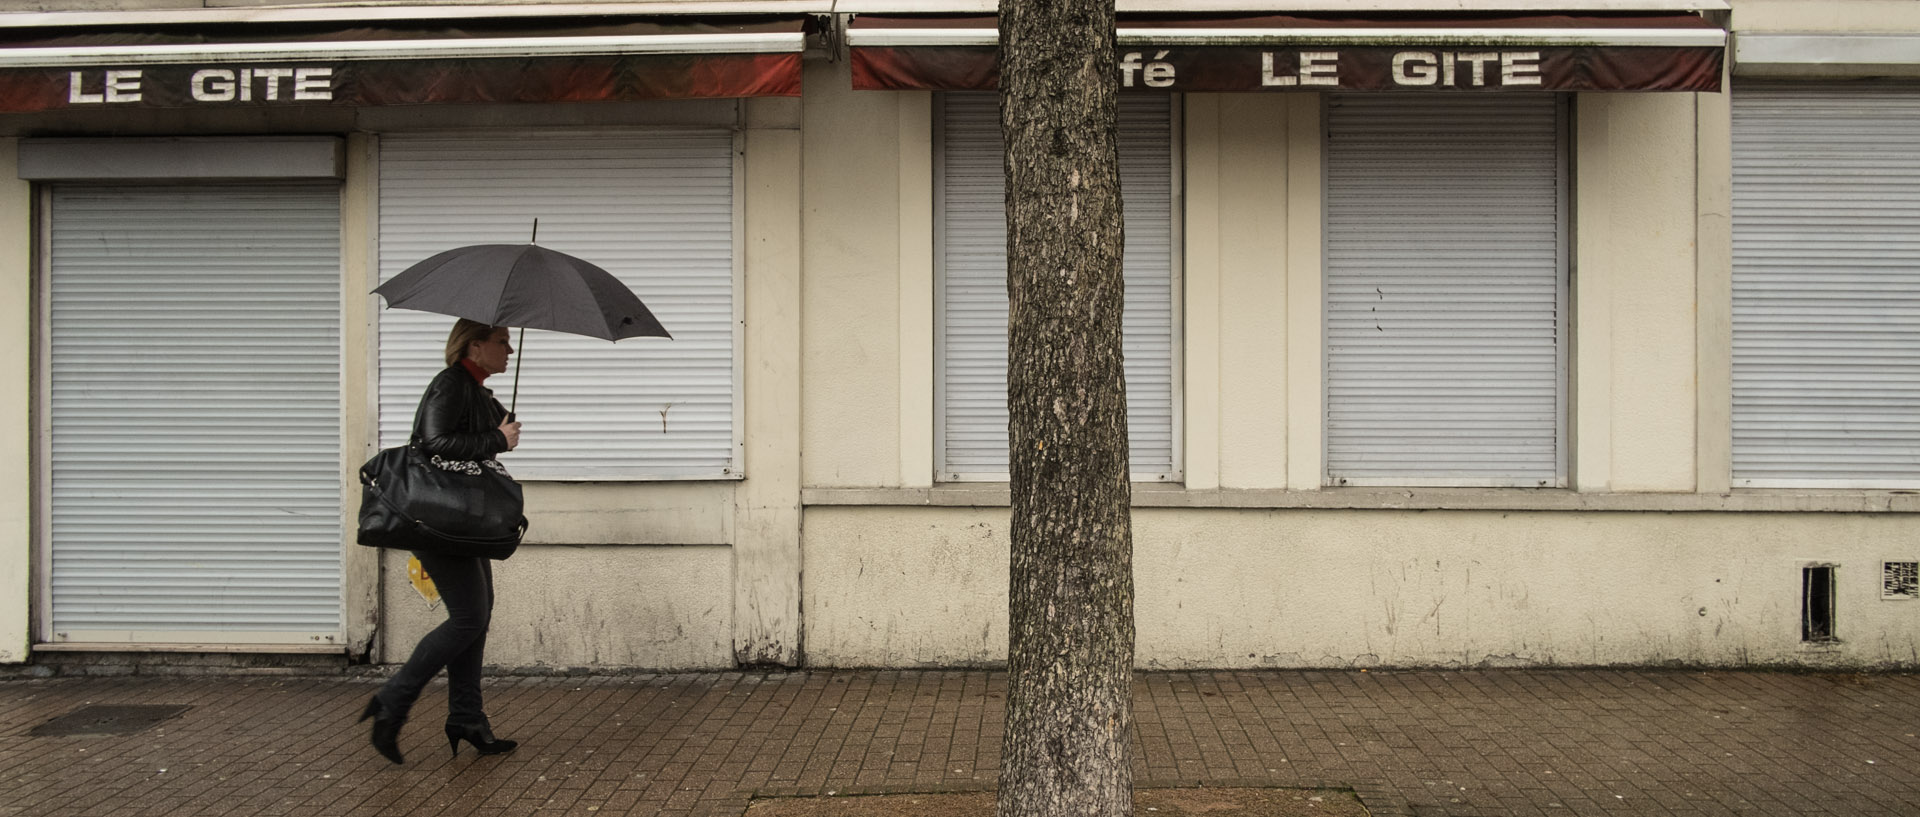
{"x":458,"y":418}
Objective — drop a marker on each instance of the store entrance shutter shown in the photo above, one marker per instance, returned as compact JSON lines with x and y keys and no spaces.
{"x":1826,"y":286}
{"x":195,"y":414}
{"x":1445,"y":275}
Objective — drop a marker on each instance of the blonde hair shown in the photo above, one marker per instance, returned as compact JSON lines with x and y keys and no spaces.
{"x":466,"y":332}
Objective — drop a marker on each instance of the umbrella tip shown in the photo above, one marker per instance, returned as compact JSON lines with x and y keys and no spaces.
{"x":536,"y":232}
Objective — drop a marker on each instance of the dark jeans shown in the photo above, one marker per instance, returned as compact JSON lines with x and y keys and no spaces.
{"x":458,"y":644}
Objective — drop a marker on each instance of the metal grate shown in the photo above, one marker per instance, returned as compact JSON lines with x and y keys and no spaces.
{"x":108,"y":720}
{"x":1900,"y":580}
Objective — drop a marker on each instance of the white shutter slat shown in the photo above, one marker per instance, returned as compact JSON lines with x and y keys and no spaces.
{"x":1444,"y":284}
{"x":654,"y":208}
{"x":973,"y":242}
{"x":195,"y":411}
{"x":1826,"y":285}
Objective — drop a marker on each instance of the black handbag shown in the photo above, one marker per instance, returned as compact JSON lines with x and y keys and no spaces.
{"x":413,"y":500}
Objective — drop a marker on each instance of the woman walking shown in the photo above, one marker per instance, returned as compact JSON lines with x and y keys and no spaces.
{"x":458,"y":419}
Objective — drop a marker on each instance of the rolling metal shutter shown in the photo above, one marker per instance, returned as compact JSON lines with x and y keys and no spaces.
{"x":1826,"y":286}
{"x":195,"y":413}
{"x":1445,"y":275}
{"x":972,"y":239}
{"x":656,"y":209}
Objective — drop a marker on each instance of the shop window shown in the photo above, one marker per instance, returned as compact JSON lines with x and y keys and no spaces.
{"x":654,"y":207}
{"x":1826,"y":286}
{"x":1446,"y":280}
{"x":972,"y":289}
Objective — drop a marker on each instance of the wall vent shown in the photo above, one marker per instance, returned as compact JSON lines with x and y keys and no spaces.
{"x":1900,"y":580}
{"x":1816,"y":603}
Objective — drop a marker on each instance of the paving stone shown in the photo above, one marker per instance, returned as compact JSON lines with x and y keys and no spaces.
{"x":1519,"y":742}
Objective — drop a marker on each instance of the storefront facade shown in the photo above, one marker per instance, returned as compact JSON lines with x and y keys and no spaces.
{"x":1528,"y":336}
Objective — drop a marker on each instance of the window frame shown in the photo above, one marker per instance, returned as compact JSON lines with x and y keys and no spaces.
{"x":736,"y":469}
{"x":1176,"y":301}
{"x":1856,"y":480}
{"x":1563,"y":325}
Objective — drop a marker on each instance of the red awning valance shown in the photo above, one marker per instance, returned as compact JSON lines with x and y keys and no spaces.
{"x":490,"y":61}
{"x":1664,"y":52}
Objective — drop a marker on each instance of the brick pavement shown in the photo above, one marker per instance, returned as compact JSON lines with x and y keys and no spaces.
{"x":1497,"y":742}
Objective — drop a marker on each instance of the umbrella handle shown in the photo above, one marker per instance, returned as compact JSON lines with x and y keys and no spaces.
{"x":514,"y":402}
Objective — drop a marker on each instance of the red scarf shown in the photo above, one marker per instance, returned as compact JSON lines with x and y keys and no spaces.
{"x":479,"y":374}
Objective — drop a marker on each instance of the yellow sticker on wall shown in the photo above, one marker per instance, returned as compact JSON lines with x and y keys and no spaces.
{"x":422,"y":582}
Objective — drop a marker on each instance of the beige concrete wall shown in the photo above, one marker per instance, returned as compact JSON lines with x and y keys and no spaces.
{"x":1633,"y":365}
{"x":1306,"y":308}
{"x":359,"y":213}
{"x":1859,"y":16}
{"x":766,"y":508}
{"x":16,"y":430}
{"x":906,"y":587}
{"x":96,"y":5}
{"x":852,"y":414}
{"x":1344,"y":588}
{"x":1823,"y":39}
{"x":1713,"y":293}
{"x":1241,"y":167}
{"x":592,"y":607}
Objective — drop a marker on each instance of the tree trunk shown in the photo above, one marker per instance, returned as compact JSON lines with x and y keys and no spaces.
{"x":1070,"y":650}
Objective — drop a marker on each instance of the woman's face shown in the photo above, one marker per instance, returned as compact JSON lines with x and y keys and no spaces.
{"x":491,"y":354}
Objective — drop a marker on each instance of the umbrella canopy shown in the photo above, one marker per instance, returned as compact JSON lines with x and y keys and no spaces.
{"x":526,"y":286}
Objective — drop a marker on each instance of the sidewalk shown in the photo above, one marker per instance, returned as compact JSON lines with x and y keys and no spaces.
{"x":1494,"y":742}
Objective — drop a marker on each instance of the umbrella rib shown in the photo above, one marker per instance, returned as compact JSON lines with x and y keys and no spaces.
{"x":506,"y":281}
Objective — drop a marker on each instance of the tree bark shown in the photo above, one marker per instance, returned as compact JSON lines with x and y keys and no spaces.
{"x":1070,"y":643}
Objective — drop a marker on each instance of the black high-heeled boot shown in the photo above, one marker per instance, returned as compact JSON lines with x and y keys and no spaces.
{"x":386,"y":730}
{"x":481,"y":736}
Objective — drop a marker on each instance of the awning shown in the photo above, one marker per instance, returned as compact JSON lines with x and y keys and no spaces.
{"x":1468,"y":52}
{"x":480,"y":61}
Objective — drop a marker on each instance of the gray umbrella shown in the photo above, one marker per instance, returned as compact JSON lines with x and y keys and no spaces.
{"x":526,"y":286}
{"x":523,"y":285}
